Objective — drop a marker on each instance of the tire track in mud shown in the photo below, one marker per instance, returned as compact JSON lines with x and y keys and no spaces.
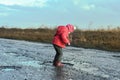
{"x":10,"y":67}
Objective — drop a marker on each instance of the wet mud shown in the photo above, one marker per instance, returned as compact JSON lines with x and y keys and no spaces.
{"x":22,"y":60}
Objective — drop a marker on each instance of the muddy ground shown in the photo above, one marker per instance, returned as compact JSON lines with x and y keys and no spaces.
{"x":22,"y":60}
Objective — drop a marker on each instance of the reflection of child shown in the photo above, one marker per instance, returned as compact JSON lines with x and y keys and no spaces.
{"x":60,"y":41}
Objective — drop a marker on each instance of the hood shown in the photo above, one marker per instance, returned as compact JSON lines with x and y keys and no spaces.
{"x":70,"y":27}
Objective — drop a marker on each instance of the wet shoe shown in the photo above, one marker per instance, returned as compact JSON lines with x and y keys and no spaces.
{"x":58,"y":64}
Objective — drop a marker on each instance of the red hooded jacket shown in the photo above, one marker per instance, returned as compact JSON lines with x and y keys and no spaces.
{"x":61,"y":37}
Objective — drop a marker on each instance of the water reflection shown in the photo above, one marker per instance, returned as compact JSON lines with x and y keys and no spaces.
{"x":59,"y":74}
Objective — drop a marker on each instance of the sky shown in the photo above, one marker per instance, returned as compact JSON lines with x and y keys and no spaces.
{"x":84,"y":14}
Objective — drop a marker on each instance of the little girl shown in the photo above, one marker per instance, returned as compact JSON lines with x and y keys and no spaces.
{"x":60,"y":41}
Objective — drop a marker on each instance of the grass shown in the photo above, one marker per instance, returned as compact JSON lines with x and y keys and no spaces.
{"x":39,"y":35}
{"x":99,"y":39}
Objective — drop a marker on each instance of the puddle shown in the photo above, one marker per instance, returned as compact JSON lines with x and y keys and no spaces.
{"x":50,"y":62}
{"x":12,"y":53}
{"x":90,"y":69}
{"x":30,"y":63}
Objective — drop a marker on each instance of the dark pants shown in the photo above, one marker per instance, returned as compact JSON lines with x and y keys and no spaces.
{"x":59,"y":53}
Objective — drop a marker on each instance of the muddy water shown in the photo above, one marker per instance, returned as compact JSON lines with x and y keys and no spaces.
{"x":22,"y":60}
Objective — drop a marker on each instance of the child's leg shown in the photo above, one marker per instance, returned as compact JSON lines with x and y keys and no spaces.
{"x":59,"y":53}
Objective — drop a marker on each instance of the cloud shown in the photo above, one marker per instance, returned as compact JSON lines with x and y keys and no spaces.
{"x":76,"y":2}
{"x":6,"y":11}
{"x":5,"y":8}
{"x":88,"y":7}
{"x":4,"y":14}
{"x":85,"y":5}
{"x":25,"y":3}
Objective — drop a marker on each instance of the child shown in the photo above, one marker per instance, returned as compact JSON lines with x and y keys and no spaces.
{"x":60,"y":41}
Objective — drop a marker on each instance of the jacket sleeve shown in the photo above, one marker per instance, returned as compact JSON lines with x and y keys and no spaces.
{"x":64,"y":37}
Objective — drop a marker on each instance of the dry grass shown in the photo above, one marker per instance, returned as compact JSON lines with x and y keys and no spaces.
{"x":100,"y":39}
{"x":39,"y":35}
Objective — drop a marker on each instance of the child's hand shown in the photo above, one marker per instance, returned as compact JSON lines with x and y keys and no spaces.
{"x":68,"y":44}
